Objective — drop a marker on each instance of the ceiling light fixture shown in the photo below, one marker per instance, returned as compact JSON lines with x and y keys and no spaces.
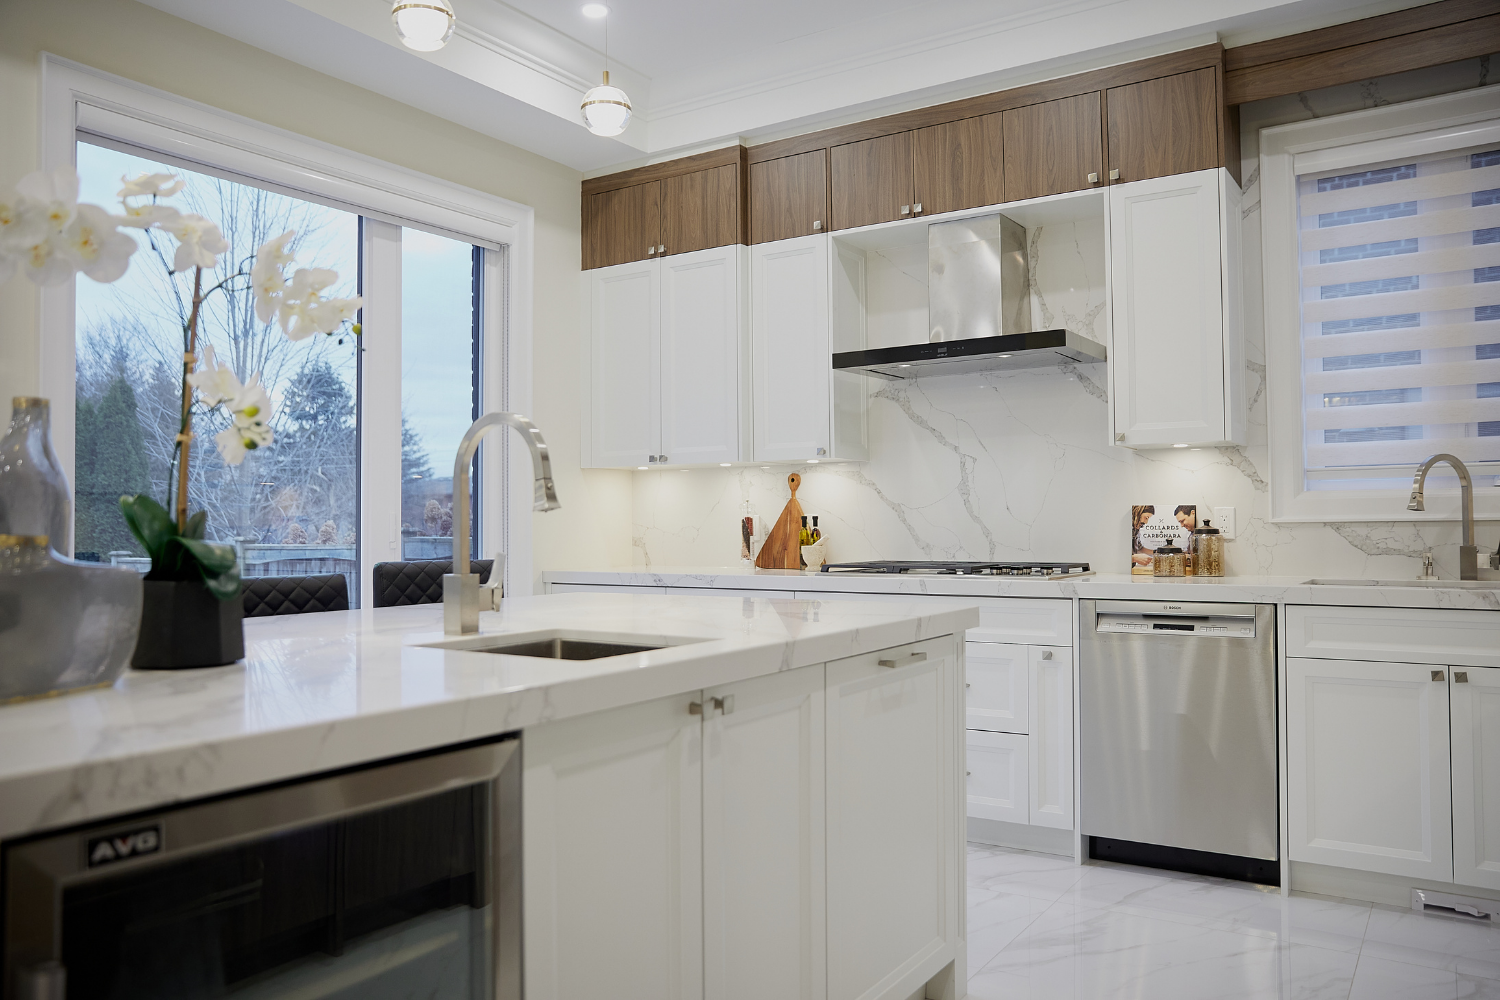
{"x":423,"y":25}
{"x":606,"y":109}
{"x":595,"y":10}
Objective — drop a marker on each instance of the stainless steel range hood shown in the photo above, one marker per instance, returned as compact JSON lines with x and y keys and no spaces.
{"x":978,"y":310}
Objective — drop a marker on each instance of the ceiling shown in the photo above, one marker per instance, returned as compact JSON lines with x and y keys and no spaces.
{"x":704,"y":74}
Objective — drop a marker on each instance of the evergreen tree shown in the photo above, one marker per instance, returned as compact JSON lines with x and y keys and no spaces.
{"x":414,"y":461}
{"x":111,"y":461}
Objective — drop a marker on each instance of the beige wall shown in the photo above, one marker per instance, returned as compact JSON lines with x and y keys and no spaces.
{"x":145,"y":45}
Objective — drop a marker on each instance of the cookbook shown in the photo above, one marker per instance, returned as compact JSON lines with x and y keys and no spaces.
{"x":1155,"y":525}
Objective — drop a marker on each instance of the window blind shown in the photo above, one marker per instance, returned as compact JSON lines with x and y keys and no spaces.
{"x":1400,"y":282}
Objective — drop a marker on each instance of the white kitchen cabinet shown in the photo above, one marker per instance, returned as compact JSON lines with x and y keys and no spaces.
{"x":1368,"y":766}
{"x":668,"y":361}
{"x":997,"y":686}
{"x":893,"y":816}
{"x":1176,"y":356}
{"x":996,"y":773}
{"x":802,"y":408}
{"x":612,"y":820}
{"x":625,"y":382}
{"x":1474,"y":698}
{"x":1051,"y":757}
{"x":764,"y":929}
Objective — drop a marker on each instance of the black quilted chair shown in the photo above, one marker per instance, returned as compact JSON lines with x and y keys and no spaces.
{"x":398,"y":583}
{"x":294,"y":595}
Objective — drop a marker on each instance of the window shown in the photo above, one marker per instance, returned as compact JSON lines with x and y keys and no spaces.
{"x":290,"y":510}
{"x":339,"y":451}
{"x":1390,"y":344}
{"x":441,"y":282}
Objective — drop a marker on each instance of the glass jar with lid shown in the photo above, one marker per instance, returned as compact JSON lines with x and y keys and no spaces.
{"x":1168,"y":560}
{"x":1208,"y":550}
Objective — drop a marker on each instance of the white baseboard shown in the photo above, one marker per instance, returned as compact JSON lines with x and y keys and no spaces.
{"x":1372,"y":887}
{"x":1043,"y":839}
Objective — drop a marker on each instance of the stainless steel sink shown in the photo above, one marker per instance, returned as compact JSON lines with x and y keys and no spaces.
{"x":564,"y":649}
{"x":1440,"y":584}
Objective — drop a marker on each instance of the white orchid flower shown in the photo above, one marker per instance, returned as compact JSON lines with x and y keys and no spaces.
{"x":146,"y":216}
{"x":47,"y":262}
{"x":57,"y":191}
{"x":250,"y":429}
{"x":199,"y":242}
{"x":231,"y":445}
{"x":267,"y":280}
{"x":215,"y":383}
{"x":275,"y":252}
{"x":95,"y":244}
{"x":23,"y":223}
{"x":309,"y":281}
{"x":251,"y":405}
{"x":151,"y":186}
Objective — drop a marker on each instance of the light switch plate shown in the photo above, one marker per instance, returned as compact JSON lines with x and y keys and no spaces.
{"x":1224,"y":521}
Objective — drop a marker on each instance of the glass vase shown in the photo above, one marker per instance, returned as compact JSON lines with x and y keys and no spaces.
{"x":34,"y":496}
{"x":64,"y":625}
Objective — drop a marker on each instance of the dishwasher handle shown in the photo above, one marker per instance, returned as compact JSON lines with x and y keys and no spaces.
{"x":1174,"y":609}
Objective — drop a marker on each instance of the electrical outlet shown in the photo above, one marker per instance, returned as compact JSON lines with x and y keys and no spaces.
{"x":1224,"y":521}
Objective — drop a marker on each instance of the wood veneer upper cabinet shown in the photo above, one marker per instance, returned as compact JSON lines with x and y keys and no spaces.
{"x":624,"y":225}
{"x":700,"y":210}
{"x":1162,"y":127}
{"x":1053,"y":147}
{"x":789,"y":197}
{"x":871,"y":181}
{"x":958,"y":165}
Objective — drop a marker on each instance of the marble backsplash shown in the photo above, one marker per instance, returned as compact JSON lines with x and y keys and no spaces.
{"x":1018,"y":465}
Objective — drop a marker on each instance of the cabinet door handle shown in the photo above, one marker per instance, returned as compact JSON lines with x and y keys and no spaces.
{"x":1093,"y":178}
{"x":914,"y":658}
{"x":695,"y":708}
{"x":967,"y":684}
{"x":725,"y":705}
{"x":905,"y":209}
{"x":1114,"y":174}
{"x":661,"y":248}
{"x":917,"y":208}
{"x":1437,"y":675}
{"x":651,"y":249}
{"x":822,"y":451}
{"x":1460,"y":677}
{"x":661,"y":458}
{"x":1046,"y":654}
{"x":818,"y":224}
{"x":1120,"y":437}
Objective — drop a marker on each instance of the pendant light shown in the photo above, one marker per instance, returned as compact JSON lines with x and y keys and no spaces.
{"x":423,"y":25}
{"x":606,"y":109}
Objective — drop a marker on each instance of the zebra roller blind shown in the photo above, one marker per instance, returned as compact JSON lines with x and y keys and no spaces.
{"x":1400,"y":282}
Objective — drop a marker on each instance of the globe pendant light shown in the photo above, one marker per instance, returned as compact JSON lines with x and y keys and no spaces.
{"x":423,"y":25}
{"x":606,"y":109}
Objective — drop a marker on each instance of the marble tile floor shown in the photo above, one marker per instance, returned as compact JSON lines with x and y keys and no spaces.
{"x":1042,"y":928}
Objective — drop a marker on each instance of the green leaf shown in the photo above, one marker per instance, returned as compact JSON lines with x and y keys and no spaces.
{"x":196,"y":525}
{"x":215,"y":563}
{"x":149,"y":522}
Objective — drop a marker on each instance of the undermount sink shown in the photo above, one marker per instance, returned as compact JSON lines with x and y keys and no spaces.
{"x":559,"y":644}
{"x":1440,"y":584}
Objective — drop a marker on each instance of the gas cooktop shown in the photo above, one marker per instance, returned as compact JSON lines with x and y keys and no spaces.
{"x":1046,"y":569}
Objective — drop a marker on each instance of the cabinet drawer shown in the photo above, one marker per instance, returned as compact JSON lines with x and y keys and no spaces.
{"x":1023,"y":620}
{"x":996,"y":687}
{"x":995,"y":777}
{"x":1439,"y":636}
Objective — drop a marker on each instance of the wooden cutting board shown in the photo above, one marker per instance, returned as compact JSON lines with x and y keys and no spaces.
{"x":783,"y":547}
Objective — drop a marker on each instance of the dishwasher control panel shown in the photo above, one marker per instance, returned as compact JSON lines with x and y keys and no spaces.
{"x":1232,"y":621}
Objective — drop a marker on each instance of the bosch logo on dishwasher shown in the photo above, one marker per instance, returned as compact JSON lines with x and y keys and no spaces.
{"x":124,"y":845}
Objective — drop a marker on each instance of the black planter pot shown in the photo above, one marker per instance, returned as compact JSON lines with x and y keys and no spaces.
{"x":184,"y":625}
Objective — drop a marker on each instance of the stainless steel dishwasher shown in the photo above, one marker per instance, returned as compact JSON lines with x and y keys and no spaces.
{"x":1178,"y":736}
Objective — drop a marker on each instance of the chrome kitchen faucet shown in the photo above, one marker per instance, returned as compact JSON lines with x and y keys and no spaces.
{"x":1468,"y":552}
{"x":463,"y":597}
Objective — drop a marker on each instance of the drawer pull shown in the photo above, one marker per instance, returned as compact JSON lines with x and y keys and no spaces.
{"x":1437,"y":675}
{"x":725,"y":705}
{"x":695,"y":708}
{"x":1046,"y":654}
{"x":1460,"y":677}
{"x":914,"y":658}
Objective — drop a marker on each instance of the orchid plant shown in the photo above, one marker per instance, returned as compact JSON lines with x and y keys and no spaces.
{"x":47,"y":235}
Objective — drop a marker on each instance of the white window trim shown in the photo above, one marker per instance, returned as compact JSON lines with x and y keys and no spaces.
{"x":76,"y":99}
{"x":1450,"y":121}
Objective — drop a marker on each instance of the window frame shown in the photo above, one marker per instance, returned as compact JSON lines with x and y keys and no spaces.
{"x":81,"y":103}
{"x":1415,"y":128}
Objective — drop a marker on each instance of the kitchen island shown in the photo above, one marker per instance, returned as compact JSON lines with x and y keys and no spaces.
{"x":770,"y":800}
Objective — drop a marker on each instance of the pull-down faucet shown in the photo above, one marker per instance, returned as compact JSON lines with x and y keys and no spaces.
{"x":463,"y":597}
{"x":1468,"y":552}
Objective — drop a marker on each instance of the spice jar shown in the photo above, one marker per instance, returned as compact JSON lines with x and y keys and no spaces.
{"x":1208,"y":550}
{"x":1168,"y":561}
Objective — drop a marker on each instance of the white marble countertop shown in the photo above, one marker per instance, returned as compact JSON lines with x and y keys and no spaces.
{"x":1103,"y":586}
{"x":324,"y":691}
